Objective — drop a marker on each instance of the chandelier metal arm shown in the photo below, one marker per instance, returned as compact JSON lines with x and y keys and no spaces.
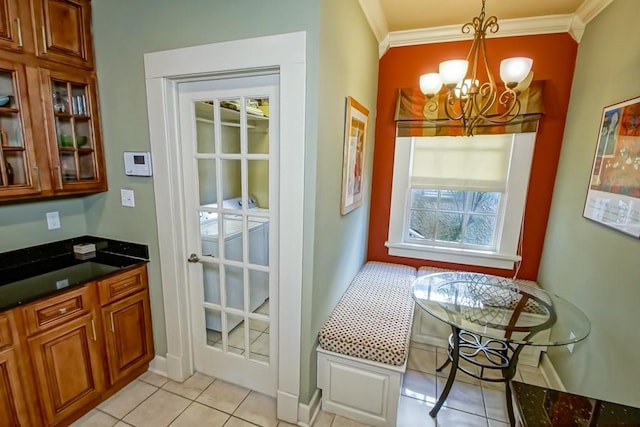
{"x":474,"y":104}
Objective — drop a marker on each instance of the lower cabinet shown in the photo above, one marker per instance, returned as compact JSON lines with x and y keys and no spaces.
{"x":73,"y":350}
{"x":126,"y":330}
{"x":15,"y":405}
{"x":68,"y":365}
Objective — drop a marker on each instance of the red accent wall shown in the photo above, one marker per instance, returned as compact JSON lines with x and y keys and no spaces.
{"x":554,"y":57}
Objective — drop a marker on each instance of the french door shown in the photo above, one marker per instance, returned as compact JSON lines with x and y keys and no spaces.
{"x":229,"y":139}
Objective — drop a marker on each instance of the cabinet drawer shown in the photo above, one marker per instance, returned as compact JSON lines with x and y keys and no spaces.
{"x":127,"y":283}
{"x":5,"y":332}
{"x":53,"y":311}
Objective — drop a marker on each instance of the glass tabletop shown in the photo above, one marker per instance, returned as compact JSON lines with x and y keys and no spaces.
{"x":501,"y":308}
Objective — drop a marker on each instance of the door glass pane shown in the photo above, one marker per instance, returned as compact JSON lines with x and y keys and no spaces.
{"x":78,"y":100}
{"x":211,"y":283}
{"x":236,"y":335}
{"x":15,"y":168}
{"x":258,"y":289}
{"x":7,"y":89}
{"x":232,"y":232}
{"x":10,"y":130}
{"x":258,"y":121}
{"x":83,"y":134}
{"x":258,"y":181}
{"x":230,"y":121}
{"x":64,"y":132}
{"x":87,"y":169}
{"x":205,"y":129}
{"x":231,"y":179}
{"x":68,"y":166}
{"x":258,"y":240}
{"x":234,"y":287}
{"x":60,"y":97}
{"x":259,"y":349}
{"x":213,"y":321}
{"x":207,"y":181}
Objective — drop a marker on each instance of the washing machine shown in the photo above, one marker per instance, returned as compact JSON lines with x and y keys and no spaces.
{"x":258,"y":241}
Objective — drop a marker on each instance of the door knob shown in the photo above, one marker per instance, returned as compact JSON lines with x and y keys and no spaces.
{"x":193,"y":258}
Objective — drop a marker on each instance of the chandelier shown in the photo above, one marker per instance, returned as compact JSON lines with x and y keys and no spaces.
{"x":467,"y":100}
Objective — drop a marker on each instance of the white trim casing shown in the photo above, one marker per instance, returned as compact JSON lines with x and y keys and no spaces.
{"x":515,"y":198}
{"x":287,"y":54}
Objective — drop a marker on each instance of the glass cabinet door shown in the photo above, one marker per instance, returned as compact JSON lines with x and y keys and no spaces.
{"x":73,"y":133}
{"x":18,"y":172}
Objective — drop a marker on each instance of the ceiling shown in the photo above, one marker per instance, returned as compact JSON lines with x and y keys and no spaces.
{"x":414,"y":14}
{"x":407,"y":22}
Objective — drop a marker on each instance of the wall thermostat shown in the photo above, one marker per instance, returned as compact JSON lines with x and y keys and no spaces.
{"x":137,"y":163}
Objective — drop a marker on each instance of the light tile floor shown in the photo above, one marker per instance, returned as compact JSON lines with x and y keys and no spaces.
{"x":152,"y":400}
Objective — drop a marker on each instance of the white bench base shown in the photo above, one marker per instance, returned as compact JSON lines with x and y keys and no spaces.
{"x":359,"y":389}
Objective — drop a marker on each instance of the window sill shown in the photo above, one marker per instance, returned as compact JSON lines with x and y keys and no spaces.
{"x":453,"y":255}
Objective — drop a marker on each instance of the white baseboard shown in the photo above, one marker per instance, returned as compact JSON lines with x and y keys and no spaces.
{"x":307,"y":414}
{"x":287,"y":409}
{"x":158,"y":365}
{"x":550,"y":374}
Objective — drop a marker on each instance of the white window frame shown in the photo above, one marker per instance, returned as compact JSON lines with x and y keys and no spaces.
{"x":508,"y":235}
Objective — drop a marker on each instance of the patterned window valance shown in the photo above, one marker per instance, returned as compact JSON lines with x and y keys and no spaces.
{"x":413,"y":119}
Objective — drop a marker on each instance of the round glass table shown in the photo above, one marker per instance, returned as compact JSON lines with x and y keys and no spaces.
{"x":492,"y":319}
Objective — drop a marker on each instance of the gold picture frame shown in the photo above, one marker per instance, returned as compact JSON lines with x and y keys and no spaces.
{"x":355,"y":144}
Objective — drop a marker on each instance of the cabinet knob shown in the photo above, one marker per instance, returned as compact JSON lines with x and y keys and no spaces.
{"x":193,"y":258}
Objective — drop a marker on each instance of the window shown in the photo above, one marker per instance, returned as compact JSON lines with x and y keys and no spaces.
{"x":460,"y":199}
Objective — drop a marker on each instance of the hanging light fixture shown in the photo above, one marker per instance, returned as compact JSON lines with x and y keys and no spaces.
{"x":467,"y":100}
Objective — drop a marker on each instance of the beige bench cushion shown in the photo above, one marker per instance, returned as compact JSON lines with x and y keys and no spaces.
{"x":373,"y":319}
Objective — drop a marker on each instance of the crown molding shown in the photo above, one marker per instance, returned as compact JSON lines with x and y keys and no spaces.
{"x":574,"y":24}
{"x":375,"y":15}
{"x":590,"y":9}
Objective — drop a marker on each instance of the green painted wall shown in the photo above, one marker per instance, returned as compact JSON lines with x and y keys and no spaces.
{"x":25,"y":224}
{"x":124,"y":31}
{"x":594,"y":266}
{"x":348,"y":67}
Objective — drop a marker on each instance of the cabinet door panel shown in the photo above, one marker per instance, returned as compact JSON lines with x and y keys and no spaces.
{"x":64,"y":28}
{"x":128,"y":335}
{"x":19,"y":174}
{"x":12,"y":397}
{"x":68,"y":367}
{"x":12,"y":22}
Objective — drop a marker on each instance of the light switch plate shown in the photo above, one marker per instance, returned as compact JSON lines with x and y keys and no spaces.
{"x":127,"y":197}
{"x":53,"y":220}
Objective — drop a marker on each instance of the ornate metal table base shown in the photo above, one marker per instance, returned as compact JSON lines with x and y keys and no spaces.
{"x":488,"y":354}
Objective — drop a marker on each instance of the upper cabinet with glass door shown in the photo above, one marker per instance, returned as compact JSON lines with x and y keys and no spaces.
{"x":51,"y":121}
{"x":73,"y":132}
{"x":19,"y":174}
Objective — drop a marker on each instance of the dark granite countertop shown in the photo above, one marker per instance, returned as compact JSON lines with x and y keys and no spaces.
{"x":543,"y":407}
{"x":29,"y":274}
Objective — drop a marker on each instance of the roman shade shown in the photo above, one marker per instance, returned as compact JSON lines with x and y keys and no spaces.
{"x":480,"y":163}
{"x":415,"y":117}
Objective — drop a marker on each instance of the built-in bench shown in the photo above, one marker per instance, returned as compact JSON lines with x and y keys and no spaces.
{"x":363,"y":346}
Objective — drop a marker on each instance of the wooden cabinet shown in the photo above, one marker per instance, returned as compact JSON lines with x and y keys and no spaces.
{"x":126,"y":318}
{"x":63,"y":31}
{"x":73,"y":131}
{"x":63,"y":355}
{"x":49,"y":126}
{"x":19,"y":173}
{"x":65,"y":352}
{"x":15,"y":403}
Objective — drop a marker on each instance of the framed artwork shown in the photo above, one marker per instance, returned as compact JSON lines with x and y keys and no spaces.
{"x":613,"y":197}
{"x":355,"y":141}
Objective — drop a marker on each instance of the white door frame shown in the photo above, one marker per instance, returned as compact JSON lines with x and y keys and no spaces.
{"x":285,"y":53}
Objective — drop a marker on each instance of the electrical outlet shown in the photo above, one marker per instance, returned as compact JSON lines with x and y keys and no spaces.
{"x":127,"y":198}
{"x":53,"y":220}
{"x":571,"y":346}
